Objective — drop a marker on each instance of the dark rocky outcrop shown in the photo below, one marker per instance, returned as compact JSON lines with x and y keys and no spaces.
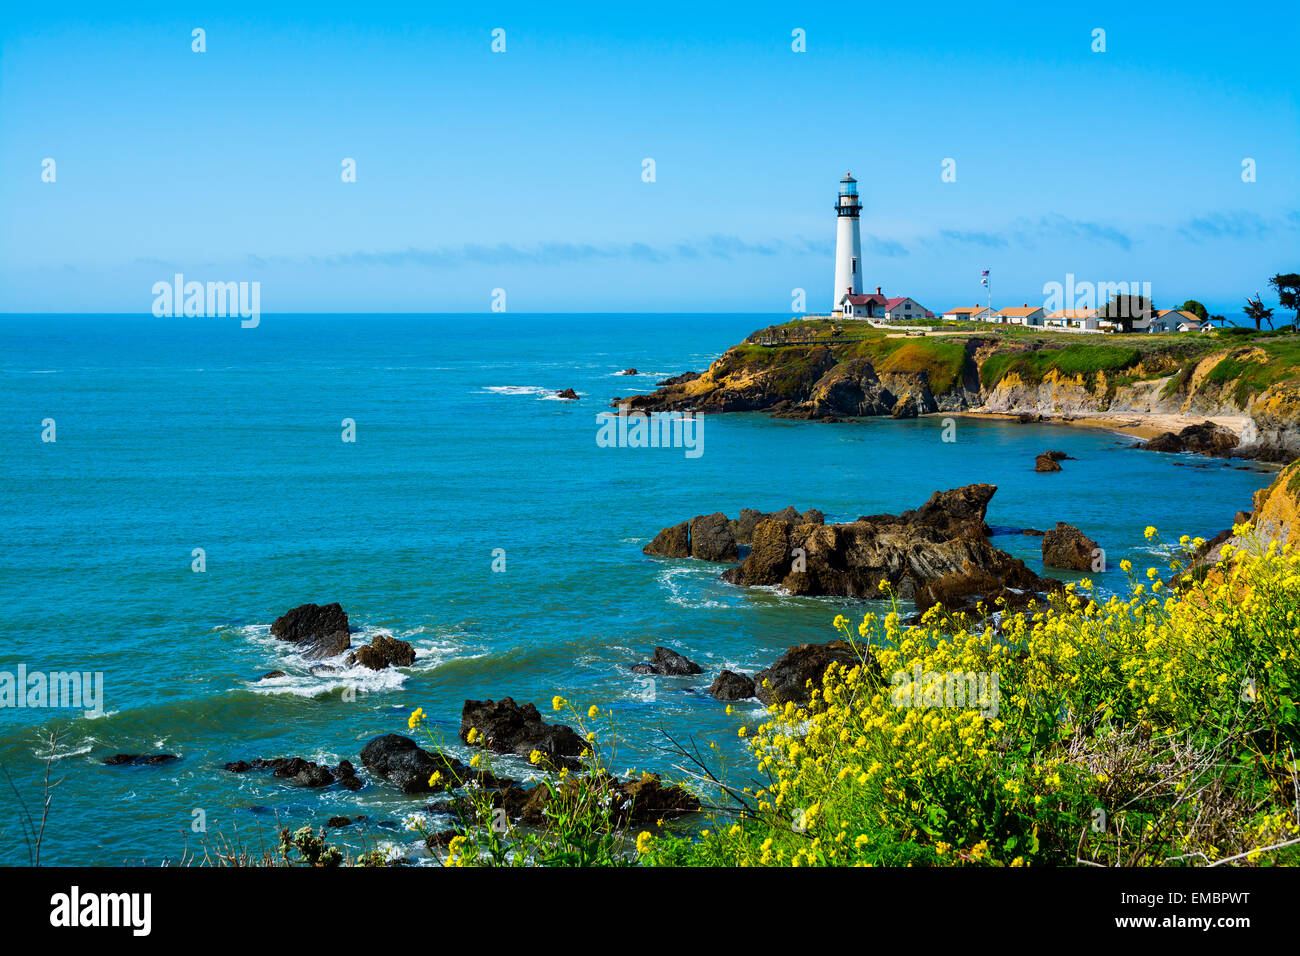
{"x":403,"y":763}
{"x":1206,"y":438}
{"x":674,"y":542}
{"x":302,"y":772}
{"x":679,"y":379}
{"x":507,"y":727}
{"x":336,"y":822}
{"x":629,"y":371}
{"x":732,"y":686}
{"x":667,"y":662}
{"x":383,"y":651}
{"x":712,"y":539}
{"x":799,"y":671}
{"x":139,"y":760}
{"x":718,"y":538}
{"x":941,"y":548}
{"x":318,"y":630}
{"x":270,"y":675}
{"x":1049,"y":461}
{"x":567,"y":394}
{"x":1065,"y":546}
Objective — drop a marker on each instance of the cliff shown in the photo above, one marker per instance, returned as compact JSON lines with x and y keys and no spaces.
{"x":828,"y":371}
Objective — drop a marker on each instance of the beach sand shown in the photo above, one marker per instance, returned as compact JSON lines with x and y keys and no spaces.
{"x":1143,"y":425}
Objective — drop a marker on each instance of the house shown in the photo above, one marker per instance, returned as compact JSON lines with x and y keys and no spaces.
{"x":903,"y":309}
{"x":863,"y":306}
{"x":969,"y":313}
{"x":1175,"y":320}
{"x":1083,"y":320}
{"x":875,"y":305}
{"x":1021,"y":315}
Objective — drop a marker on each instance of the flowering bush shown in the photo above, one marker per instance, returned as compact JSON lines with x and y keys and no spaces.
{"x":1155,"y":728}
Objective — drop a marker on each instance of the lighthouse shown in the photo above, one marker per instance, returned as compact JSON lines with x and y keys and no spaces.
{"x":848,"y":243}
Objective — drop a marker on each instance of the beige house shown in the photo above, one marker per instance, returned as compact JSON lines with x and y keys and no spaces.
{"x":1083,"y":320}
{"x":969,"y":313}
{"x":1021,"y":315}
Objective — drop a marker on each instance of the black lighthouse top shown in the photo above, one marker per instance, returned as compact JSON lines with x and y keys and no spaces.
{"x":847,"y":204}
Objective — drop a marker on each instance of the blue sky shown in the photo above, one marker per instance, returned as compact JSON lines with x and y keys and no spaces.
{"x":523,"y":170}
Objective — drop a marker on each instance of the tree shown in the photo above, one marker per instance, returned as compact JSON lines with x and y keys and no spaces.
{"x":1287,"y":286}
{"x":1123,"y":309}
{"x":1221,"y":319}
{"x":1256,"y":311}
{"x":1196,"y":308}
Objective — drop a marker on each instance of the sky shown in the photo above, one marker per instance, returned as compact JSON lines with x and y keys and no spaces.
{"x":525,"y":170}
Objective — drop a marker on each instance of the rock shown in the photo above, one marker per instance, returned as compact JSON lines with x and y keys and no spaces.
{"x":789,"y":678}
{"x":1046,"y":463}
{"x":629,"y":371}
{"x":1065,"y":546}
{"x":304,"y":773}
{"x":679,"y":379}
{"x":322,"y":670}
{"x":711,"y":538}
{"x":1206,"y":438}
{"x":716,"y":538}
{"x":1029,"y":418}
{"x":385,"y":651}
{"x":402,"y":762}
{"x":905,"y":407}
{"x":139,"y":760}
{"x":732,"y":686}
{"x":1032,"y":532}
{"x":507,"y":727}
{"x":336,"y":822}
{"x":944,"y":539}
{"x":270,"y":675}
{"x":674,"y":542}
{"x":319,"y":631}
{"x":568,"y":394}
{"x":668,"y":663}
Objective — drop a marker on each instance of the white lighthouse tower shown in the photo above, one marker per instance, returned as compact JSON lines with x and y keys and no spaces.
{"x":848,"y":243}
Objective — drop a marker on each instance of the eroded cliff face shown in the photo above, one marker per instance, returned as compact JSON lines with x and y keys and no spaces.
{"x":925,"y":376}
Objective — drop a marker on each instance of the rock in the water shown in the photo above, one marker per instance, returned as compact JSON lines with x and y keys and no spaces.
{"x":946,"y":538}
{"x":507,"y":727}
{"x":667,"y":662}
{"x":711,"y":538}
{"x":674,"y":542}
{"x":339,"y":822}
{"x":1065,"y":546}
{"x":1045,"y":462}
{"x":304,"y":773}
{"x":385,"y":651}
{"x":320,"y":631}
{"x":139,"y":760}
{"x":402,"y":762}
{"x":270,"y":675}
{"x":732,"y":686}
{"x":568,"y":394}
{"x":716,"y":538}
{"x":1206,"y":438}
{"x":629,"y":371}
{"x":788,"y":679}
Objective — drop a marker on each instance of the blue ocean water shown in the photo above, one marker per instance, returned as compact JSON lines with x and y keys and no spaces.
{"x":177,"y":434}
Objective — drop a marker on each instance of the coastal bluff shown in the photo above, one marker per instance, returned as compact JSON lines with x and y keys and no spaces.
{"x":829,"y":371}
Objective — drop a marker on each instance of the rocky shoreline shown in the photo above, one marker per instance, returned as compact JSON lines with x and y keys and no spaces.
{"x":1154,"y":391}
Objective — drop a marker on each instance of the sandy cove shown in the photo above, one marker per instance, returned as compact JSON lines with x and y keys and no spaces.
{"x":1143,"y":425}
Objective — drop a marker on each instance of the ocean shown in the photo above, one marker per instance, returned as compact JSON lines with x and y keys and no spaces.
{"x":180,"y":434}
